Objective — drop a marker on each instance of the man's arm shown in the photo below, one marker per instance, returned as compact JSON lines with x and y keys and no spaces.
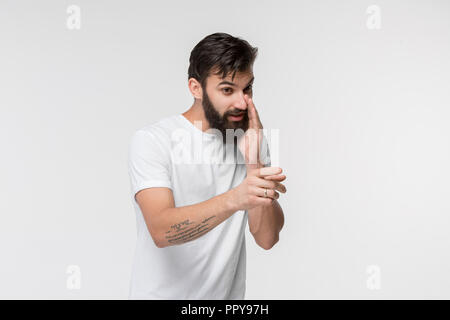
{"x":265,"y":224}
{"x":266,"y":221}
{"x":170,"y":225}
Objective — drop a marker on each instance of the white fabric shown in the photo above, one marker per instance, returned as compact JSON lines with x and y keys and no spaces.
{"x":214,"y":265}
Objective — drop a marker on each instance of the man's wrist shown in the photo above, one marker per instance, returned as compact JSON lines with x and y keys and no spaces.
{"x":230,"y":200}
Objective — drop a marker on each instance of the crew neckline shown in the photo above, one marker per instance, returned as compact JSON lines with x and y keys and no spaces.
{"x":191,"y":126}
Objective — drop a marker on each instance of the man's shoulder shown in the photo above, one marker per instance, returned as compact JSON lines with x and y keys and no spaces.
{"x":153,"y":139}
{"x":161,"y":128}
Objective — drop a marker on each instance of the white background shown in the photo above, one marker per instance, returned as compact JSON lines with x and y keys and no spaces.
{"x":363,"y":117}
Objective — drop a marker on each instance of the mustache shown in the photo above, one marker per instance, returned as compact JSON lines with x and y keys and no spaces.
{"x":236,"y":113}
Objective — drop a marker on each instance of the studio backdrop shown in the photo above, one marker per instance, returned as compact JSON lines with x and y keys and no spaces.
{"x":359,"y":92}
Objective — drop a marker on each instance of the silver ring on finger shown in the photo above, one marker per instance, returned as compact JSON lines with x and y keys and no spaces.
{"x":265,"y":192}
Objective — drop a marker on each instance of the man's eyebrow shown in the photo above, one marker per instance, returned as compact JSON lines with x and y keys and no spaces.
{"x":233,"y":84}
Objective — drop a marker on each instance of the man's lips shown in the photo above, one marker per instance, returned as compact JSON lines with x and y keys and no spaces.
{"x":237,"y":117}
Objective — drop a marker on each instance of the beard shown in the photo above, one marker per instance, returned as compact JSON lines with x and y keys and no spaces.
{"x":222,"y":123}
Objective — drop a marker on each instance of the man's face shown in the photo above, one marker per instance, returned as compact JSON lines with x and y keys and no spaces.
{"x":223,"y":101}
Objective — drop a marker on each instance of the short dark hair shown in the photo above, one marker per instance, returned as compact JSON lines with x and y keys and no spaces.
{"x":222,"y":53}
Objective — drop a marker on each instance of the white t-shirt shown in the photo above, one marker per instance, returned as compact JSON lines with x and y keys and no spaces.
{"x":212,"y":266}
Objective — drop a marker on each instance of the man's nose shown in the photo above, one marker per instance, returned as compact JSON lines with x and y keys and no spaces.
{"x":240,"y":103}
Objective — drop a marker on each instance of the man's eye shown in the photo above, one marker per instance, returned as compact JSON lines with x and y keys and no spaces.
{"x":229,"y":90}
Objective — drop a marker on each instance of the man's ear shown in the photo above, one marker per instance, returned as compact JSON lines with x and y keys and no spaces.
{"x":195,"y":88}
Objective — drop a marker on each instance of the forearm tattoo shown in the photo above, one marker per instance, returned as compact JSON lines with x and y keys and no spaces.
{"x":187,"y":230}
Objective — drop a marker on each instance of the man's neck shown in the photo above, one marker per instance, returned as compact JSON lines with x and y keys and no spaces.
{"x":196,"y":113}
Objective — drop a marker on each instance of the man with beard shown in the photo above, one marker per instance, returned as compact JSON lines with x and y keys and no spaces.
{"x":191,"y":218}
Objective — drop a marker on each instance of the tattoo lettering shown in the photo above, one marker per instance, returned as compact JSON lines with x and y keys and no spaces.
{"x":187,"y":231}
{"x":179,"y":225}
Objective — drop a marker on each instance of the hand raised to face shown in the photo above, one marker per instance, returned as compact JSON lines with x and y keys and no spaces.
{"x":250,"y":142}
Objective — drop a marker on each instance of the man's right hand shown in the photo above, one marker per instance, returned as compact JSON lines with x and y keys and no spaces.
{"x":250,"y":193}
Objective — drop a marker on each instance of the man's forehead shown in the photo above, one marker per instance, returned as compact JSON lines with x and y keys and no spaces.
{"x":244,"y":77}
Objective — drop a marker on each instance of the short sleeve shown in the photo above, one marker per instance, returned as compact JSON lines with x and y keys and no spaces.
{"x":148,"y":162}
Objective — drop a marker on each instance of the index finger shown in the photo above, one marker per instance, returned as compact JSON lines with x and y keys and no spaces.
{"x":268,"y":171}
{"x":253,"y":115}
{"x":276,"y":177}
